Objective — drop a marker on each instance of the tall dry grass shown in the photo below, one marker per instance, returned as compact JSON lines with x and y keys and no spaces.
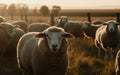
{"x":83,"y":60}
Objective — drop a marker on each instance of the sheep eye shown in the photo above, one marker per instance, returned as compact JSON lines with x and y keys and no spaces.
{"x":47,"y":36}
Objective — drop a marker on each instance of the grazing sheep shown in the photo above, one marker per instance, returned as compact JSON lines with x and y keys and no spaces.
{"x":117,"y":63}
{"x":97,"y":22}
{"x":2,"y":19}
{"x":23,"y":25}
{"x":43,"y":53}
{"x":62,"y":21}
{"x":107,"y":38}
{"x":74,"y":28}
{"x":37,"y":27}
{"x":7,"y":34}
{"x":89,"y":29}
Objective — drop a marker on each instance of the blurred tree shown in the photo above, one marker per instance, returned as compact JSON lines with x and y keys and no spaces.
{"x":35,"y":11}
{"x":56,"y":10}
{"x":12,"y":10}
{"x":3,"y":9}
{"x":44,"y":10}
{"x":22,"y":10}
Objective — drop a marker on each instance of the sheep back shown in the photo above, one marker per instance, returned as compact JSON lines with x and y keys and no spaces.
{"x":91,"y":30}
{"x":23,"y":24}
{"x":74,"y":28}
{"x":2,"y":19}
{"x":37,"y":27}
{"x":98,"y":22}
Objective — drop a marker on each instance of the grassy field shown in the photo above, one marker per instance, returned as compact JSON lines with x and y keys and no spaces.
{"x":33,"y":19}
{"x":82,"y":54}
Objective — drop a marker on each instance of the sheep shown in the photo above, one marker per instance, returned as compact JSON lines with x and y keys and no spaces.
{"x":89,"y":29}
{"x":2,"y":19}
{"x":74,"y":28}
{"x":117,"y":63}
{"x":107,"y":38}
{"x":11,"y":49}
{"x":43,"y":53}
{"x":37,"y":27}
{"x":21,"y":23}
{"x":7,"y":34}
{"x":62,"y":21}
{"x":97,"y":22}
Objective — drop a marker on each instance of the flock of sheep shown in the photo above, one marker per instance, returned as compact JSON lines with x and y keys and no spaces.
{"x":41,"y":48}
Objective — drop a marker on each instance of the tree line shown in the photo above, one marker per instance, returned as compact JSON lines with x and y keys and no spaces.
{"x":22,"y":10}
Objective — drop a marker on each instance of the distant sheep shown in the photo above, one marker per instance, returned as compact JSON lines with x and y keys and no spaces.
{"x":62,"y":21}
{"x":2,"y":19}
{"x":74,"y":28}
{"x":21,"y":23}
{"x":107,"y":38}
{"x":117,"y":63}
{"x":97,"y":22}
{"x":37,"y":27}
{"x":43,"y":53}
{"x":89,"y":29}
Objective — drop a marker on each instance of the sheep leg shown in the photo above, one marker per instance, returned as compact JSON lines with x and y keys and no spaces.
{"x":101,"y":53}
{"x":106,"y":56}
{"x":118,"y":73}
{"x":112,"y":54}
{"x":109,"y":54}
{"x":90,"y":41}
{"x":106,"y":53}
{"x":27,"y":72}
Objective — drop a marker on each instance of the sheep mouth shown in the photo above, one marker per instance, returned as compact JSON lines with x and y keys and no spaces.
{"x":54,"y":50}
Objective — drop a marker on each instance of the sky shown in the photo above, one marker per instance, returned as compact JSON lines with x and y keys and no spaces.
{"x":68,"y":4}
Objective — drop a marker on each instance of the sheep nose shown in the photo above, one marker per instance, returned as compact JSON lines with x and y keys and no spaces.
{"x":54,"y":46}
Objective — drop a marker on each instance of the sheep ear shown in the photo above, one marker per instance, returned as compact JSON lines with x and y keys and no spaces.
{"x":68,"y":35}
{"x":40,"y":35}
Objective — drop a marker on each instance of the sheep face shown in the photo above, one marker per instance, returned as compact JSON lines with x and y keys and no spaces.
{"x":63,"y":20}
{"x":54,"y":38}
{"x":112,"y":27}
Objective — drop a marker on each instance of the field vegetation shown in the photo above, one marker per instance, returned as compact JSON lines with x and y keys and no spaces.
{"x":83,"y":58}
